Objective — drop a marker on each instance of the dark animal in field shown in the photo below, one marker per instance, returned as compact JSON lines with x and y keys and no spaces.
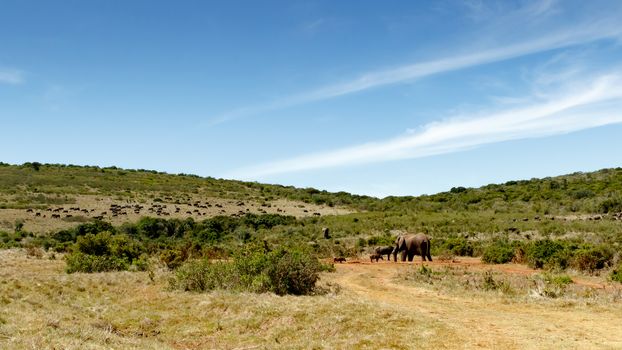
{"x":339,"y":260}
{"x":386,"y":250}
{"x":376,"y":257}
{"x":411,"y":245}
{"x":326,"y":232}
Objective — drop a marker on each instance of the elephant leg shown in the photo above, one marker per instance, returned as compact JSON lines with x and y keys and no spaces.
{"x":411,"y":256}
{"x":403,"y":257}
{"x":427,"y":252}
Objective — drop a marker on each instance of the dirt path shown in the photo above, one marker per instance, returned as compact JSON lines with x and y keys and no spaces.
{"x":488,"y":323}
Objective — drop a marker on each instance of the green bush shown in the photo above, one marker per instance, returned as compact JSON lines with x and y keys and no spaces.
{"x":546,"y":252}
{"x":80,"y":262}
{"x":203,"y":275}
{"x":172,"y":258}
{"x":253,"y":269}
{"x":105,"y":252}
{"x":616,"y":274}
{"x":611,"y":205}
{"x":456,"y":246}
{"x":593,"y":258}
{"x":385,"y":240}
{"x":499,"y":252}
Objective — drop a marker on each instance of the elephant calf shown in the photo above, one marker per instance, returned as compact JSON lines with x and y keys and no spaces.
{"x":376,"y":257}
{"x":386,"y":250}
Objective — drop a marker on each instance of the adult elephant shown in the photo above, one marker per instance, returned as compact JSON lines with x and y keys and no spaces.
{"x":411,"y":245}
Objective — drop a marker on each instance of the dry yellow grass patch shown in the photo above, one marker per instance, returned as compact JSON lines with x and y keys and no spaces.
{"x":42,"y":307}
{"x":100,"y":204}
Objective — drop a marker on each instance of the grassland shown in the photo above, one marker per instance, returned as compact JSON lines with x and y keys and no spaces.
{"x":363,"y":306}
{"x":455,"y":302}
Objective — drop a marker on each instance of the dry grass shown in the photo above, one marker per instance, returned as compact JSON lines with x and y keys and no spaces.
{"x":219,"y":206}
{"x":42,"y":307}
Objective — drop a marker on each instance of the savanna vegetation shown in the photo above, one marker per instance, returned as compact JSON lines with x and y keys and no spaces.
{"x":554,"y":223}
{"x":247,"y":276}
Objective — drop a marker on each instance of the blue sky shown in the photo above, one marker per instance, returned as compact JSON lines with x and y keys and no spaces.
{"x":378,"y":98}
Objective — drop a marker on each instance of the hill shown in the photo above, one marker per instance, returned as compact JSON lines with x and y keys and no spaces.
{"x":558,"y":237}
{"x":31,"y":193}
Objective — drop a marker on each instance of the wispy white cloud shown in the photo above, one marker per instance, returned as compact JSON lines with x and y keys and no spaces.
{"x":598,"y":30}
{"x":11,"y":76}
{"x":592,"y":104}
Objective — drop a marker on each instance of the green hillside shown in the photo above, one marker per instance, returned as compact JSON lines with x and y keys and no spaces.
{"x":580,"y":210}
{"x":41,"y":184}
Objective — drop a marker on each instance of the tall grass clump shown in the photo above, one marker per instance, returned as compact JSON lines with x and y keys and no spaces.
{"x":253,"y":269}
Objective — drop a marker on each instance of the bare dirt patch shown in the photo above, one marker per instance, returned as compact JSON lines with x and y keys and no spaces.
{"x":494,"y":321}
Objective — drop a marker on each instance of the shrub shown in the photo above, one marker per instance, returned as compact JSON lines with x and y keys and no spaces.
{"x":253,"y":269}
{"x":292,"y":272}
{"x":457,"y":246}
{"x":105,"y":252}
{"x":172,"y":258}
{"x":592,"y":259}
{"x":616,"y":274}
{"x":203,"y":275}
{"x":499,"y":252}
{"x":545,"y":252}
{"x":80,"y":262}
{"x":611,"y":205}
{"x":381,"y":240}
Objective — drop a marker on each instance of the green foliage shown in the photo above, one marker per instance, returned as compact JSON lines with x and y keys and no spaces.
{"x":19,"y":225}
{"x":611,"y":205}
{"x":105,"y":252}
{"x":499,"y":252}
{"x":591,"y":259}
{"x":616,"y":274}
{"x":71,"y":235}
{"x":253,"y":269}
{"x":384,"y":240}
{"x":546,"y":252}
{"x":459,"y":246}
{"x":80,"y":262}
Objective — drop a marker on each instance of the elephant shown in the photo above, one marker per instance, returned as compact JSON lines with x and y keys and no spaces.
{"x":411,"y":245}
{"x":387,"y":250}
{"x":376,"y":257}
{"x":339,"y":260}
